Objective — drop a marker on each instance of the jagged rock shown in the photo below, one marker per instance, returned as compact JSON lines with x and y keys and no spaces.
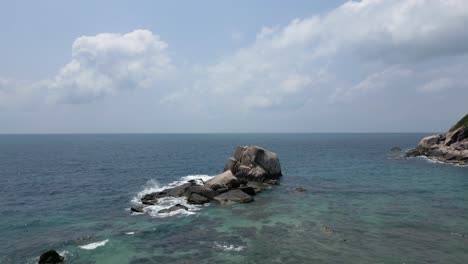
{"x":172,"y":209}
{"x":50,"y":257}
{"x":254,"y":164}
{"x":233,"y":196}
{"x":451,"y":146}
{"x":137,"y":209}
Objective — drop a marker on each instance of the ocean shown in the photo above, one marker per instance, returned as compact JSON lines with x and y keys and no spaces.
{"x":72,"y":193}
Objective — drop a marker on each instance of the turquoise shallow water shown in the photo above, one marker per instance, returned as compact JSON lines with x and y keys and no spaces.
{"x":66,"y":191}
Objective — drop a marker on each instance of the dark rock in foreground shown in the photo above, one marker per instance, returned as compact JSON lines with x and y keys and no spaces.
{"x":256,"y":169}
{"x":451,"y":147}
{"x":50,"y":257}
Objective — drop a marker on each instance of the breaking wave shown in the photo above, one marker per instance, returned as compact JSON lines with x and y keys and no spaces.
{"x":167,"y":202}
{"x":94,"y":245}
{"x":228,"y":247}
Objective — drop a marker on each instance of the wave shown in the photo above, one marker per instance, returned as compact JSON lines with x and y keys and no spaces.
{"x":227,"y":247}
{"x":167,"y":202}
{"x":94,"y":245}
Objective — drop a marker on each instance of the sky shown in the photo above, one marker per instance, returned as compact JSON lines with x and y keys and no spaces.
{"x":232,"y":66}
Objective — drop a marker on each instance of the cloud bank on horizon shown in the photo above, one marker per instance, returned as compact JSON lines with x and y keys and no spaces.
{"x":397,"y":60}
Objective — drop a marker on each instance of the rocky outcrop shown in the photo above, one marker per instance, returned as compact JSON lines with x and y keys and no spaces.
{"x":254,"y":169}
{"x":253,"y":163}
{"x":50,"y":257}
{"x":451,"y":147}
{"x":395,"y":149}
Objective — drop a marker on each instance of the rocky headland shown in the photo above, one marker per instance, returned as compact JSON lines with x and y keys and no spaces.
{"x":249,"y":171}
{"x":450,"y":147}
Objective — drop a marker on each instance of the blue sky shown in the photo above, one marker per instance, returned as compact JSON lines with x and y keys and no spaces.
{"x":238,"y":66}
{"x":37,"y":35}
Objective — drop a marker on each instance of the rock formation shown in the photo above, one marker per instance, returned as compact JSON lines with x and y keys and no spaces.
{"x":251,"y":170}
{"x":451,"y":147}
{"x":253,"y":163}
{"x":50,"y":257}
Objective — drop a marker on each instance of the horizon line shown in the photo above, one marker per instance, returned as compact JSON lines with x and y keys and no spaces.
{"x":201,"y":133}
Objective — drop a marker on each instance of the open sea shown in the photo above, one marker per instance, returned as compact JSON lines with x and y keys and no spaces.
{"x":72,"y":193}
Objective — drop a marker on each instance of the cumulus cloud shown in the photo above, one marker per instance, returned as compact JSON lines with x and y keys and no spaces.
{"x":107,"y":63}
{"x":357,"y":49}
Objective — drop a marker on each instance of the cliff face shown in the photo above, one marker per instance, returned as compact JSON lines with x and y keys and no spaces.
{"x":451,"y":147}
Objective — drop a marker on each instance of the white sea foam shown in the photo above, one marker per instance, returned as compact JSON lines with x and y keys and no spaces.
{"x":227,"y":247}
{"x":130,"y":233}
{"x":94,"y":245}
{"x":432,"y":160}
{"x":167,"y":202}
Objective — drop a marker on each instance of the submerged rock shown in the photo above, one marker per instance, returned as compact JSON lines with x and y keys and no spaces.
{"x":50,"y":257}
{"x":234,"y":196}
{"x":253,"y":163}
{"x":259,"y":187}
{"x":451,"y":147}
{"x":173,"y":208}
{"x":395,"y":149}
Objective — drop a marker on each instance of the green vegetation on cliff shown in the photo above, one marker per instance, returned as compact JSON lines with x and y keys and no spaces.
{"x":462,"y":122}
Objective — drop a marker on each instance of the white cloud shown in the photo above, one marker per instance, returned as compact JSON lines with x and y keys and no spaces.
{"x":108,"y":63}
{"x":360,"y":56}
{"x":357,"y":49}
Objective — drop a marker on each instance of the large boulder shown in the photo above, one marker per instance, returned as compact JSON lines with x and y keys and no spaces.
{"x":233,"y":196}
{"x":254,"y":163}
{"x":223,"y":180}
{"x":50,"y":257}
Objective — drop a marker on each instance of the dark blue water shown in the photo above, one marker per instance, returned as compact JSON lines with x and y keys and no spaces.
{"x":66,"y":191}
